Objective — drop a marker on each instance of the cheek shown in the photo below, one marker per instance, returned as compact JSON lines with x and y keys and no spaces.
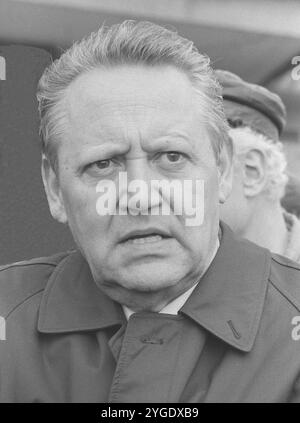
{"x":204,"y":213}
{"x":79,"y":203}
{"x":83,"y":219}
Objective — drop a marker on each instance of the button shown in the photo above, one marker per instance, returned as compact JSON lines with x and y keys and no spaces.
{"x":156,"y":341}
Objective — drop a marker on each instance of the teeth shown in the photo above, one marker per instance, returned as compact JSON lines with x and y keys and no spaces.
{"x":145,"y":240}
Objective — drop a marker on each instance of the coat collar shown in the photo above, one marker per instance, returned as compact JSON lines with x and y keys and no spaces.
{"x":72,"y":301}
{"x":228,"y":300}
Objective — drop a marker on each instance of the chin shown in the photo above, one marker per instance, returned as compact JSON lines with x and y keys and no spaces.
{"x":148,"y":278}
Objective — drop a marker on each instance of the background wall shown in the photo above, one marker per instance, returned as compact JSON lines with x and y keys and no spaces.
{"x":26,"y":227}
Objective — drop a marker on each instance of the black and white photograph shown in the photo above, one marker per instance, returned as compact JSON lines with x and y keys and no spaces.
{"x":149,"y":204}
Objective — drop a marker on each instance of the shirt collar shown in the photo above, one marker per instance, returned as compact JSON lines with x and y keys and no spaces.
{"x":228,"y":301}
{"x":171,"y":308}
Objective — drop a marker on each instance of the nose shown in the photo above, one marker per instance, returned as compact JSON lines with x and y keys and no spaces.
{"x":137,"y":195}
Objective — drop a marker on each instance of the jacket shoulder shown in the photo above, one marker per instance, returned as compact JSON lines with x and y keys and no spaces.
{"x":285,"y":277}
{"x":23,"y":279}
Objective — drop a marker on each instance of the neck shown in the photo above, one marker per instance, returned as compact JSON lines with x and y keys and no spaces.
{"x":267,"y":227}
{"x":156,"y":301}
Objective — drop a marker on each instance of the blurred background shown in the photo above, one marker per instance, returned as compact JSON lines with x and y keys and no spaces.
{"x":257,"y":39}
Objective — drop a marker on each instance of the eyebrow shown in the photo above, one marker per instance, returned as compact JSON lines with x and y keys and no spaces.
{"x":108,"y":148}
{"x":120,"y":147}
{"x":167,"y":141}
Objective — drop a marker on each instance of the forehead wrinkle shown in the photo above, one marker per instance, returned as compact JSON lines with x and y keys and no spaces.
{"x":146,"y":87}
{"x":135,"y":124}
{"x":116,"y":119}
{"x":128,"y":79}
{"x":116,"y":112}
{"x":110,"y":114}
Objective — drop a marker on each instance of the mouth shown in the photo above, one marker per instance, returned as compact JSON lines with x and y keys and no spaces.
{"x":148,"y":236}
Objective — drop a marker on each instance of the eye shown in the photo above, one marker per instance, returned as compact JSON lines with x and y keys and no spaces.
{"x":173,"y":156}
{"x":172,"y":160}
{"x":102,"y":167}
{"x":102,"y":164}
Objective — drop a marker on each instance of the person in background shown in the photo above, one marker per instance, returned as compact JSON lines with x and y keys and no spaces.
{"x":253,"y":210}
{"x":291,"y":199}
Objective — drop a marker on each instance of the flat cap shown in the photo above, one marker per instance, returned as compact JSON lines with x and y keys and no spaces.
{"x":251,"y":105}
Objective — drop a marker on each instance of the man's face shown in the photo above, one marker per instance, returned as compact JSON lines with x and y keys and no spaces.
{"x":132,"y":119}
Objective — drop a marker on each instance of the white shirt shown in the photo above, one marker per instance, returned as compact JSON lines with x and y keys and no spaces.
{"x":175,"y":305}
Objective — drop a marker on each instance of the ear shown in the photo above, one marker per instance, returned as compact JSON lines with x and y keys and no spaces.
{"x":225,"y":174}
{"x":254,"y":172}
{"x":53,"y":192}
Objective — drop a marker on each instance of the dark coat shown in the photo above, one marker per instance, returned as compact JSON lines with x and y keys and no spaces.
{"x":234,"y":340}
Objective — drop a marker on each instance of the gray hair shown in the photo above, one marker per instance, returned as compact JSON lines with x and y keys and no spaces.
{"x":245,"y":139}
{"x":128,"y":43}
